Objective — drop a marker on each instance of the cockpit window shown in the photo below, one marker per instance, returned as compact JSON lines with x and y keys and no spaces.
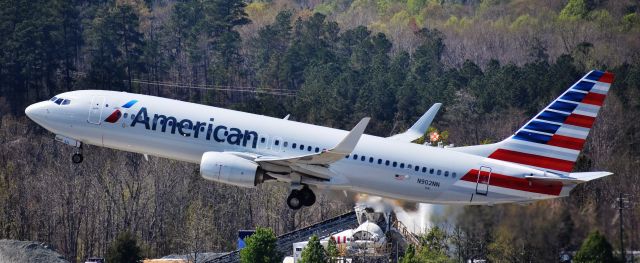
{"x":58,"y":101}
{"x":66,"y":102}
{"x":53,"y":99}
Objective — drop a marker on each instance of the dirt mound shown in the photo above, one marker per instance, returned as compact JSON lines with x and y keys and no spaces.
{"x":27,"y":251}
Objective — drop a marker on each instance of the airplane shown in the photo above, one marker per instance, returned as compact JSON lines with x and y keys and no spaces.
{"x":246,"y":150}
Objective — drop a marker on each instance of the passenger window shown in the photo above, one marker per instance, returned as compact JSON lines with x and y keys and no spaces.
{"x":66,"y":102}
{"x":277,"y":142}
{"x":417,"y":168}
{"x":126,"y":115}
{"x":308,"y":148}
{"x":386,"y":163}
{"x":424,"y":169}
{"x":347,"y":156}
{"x":379,"y":161}
{"x":317,"y":149}
{"x":401,"y":165}
{"x":409,"y":166}
{"x":302,"y":147}
{"x":453,"y":175}
{"x":262,"y":140}
{"x":363,"y":158}
{"x":355,"y":157}
{"x":371,"y":159}
{"x":439,"y":172}
{"x":294,"y":145}
{"x":431,"y":171}
{"x":395,"y":164}
{"x":285,"y":144}
{"x":446,"y":173}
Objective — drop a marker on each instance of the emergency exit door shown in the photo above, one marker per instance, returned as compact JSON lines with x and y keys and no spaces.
{"x":482,"y":182}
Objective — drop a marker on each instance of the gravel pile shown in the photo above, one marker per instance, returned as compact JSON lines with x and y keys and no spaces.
{"x":27,"y":251}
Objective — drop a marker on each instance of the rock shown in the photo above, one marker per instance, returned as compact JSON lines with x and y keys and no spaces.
{"x":27,"y":251}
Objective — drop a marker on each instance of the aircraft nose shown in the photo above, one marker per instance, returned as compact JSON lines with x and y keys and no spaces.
{"x":36,"y":112}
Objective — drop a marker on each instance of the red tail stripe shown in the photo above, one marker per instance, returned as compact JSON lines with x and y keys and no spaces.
{"x":533,"y":160}
{"x":516,"y":183}
{"x":566,"y":142}
{"x":580,"y":120}
{"x":607,"y":77}
{"x":594,"y":98}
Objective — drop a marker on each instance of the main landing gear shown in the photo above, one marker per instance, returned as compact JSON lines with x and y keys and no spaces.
{"x":302,"y":197}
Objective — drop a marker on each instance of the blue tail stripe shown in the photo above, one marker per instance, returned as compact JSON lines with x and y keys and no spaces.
{"x":542,"y":127}
{"x":573,"y":96}
{"x":583,"y":85}
{"x":129,"y":104}
{"x":552,"y":116}
{"x":532,"y":137}
{"x":563,"y":106}
{"x":595,"y":75}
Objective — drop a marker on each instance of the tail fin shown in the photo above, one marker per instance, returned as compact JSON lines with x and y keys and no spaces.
{"x":553,"y":139}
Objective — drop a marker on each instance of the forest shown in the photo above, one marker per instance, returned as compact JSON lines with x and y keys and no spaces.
{"x":492,"y":63}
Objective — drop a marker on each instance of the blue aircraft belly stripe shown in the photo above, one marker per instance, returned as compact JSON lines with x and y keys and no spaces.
{"x":552,"y":116}
{"x":584,"y":85}
{"x":563,"y":106}
{"x":573,"y":96}
{"x":532,"y":137}
{"x":542,"y":127}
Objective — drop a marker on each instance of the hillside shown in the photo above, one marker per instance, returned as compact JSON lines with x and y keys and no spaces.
{"x":491,"y":63}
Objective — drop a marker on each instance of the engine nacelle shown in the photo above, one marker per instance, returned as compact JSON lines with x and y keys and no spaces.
{"x":230,"y":169}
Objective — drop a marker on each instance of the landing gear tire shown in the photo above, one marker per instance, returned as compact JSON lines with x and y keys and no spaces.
{"x":307,"y":196}
{"x":77,"y":158}
{"x":294,"y":200}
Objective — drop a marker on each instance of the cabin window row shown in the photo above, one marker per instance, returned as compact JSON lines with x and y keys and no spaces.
{"x":294,"y":145}
{"x":402,"y":165}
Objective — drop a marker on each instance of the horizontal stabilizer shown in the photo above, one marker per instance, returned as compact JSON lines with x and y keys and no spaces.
{"x":573,"y":178}
{"x":588,"y":176}
{"x":420,"y":127}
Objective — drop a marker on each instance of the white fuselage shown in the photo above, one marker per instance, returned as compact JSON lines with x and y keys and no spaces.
{"x":382,"y":167}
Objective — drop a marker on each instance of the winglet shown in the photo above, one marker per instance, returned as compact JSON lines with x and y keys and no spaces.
{"x":349,"y":142}
{"x":420,"y":127}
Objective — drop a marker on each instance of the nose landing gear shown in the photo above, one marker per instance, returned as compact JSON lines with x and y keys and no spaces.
{"x":302,"y":197}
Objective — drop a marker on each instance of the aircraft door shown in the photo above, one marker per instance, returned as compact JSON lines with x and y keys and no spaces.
{"x":95,"y":110}
{"x":482,"y":182}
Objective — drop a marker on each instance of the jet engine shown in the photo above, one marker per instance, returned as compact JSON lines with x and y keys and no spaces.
{"x":230,"y":169}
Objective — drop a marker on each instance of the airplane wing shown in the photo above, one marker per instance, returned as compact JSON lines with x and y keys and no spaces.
{"x":326,"y":157}
{"x":420,"y":127}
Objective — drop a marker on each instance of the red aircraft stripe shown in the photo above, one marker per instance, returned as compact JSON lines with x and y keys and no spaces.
{"x":566,"y":142}
{"x":515,"y":183}
{"x":533,"y":160}
{"x":607,"y":77}
{"x":594,"y":98}
{"x":113,"y":117}
{"x":580,"y":120}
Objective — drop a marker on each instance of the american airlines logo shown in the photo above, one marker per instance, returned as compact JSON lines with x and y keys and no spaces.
{"x":115,"y":115}
{"x":195,"y":129}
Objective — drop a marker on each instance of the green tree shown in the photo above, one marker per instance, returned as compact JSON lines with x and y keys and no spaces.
{"x":116,"y":45}
{"x":124,"y":249}
{"x":409,"y":255}
{"x":313,"y":252}
{"x":332,"y":249}
{"x":595,"y":248}
{"x":260,"y":247}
